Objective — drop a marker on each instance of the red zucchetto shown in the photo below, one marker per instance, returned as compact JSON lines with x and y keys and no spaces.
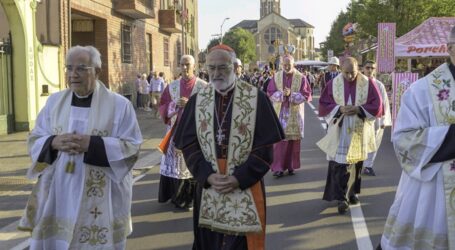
{"x":223,"y":47}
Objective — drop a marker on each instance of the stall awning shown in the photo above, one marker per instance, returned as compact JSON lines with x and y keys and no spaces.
{"x":427,"y":39}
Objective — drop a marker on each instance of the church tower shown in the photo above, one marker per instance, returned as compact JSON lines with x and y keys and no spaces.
{"x":269,"y":6}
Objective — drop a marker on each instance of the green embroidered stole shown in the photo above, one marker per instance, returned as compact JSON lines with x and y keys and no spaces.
{"x":174,"y":91}
{"x":235,"y":212}
{"x":442,"y":87}
{"x":292,"y":130}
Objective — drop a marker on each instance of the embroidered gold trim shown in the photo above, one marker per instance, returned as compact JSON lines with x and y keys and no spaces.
{"x":235,"y":212}
{"x":442,"y":89}
{"x":292,"y":130}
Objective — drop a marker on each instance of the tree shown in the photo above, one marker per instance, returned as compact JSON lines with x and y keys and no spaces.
{"x":243,"y":43}
{"x":407,"y":14}
{"x":335,"y":40}
{"x":213,"y":42}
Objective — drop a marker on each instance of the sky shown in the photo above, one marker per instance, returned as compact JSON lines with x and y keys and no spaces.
{"x":319,"y":13}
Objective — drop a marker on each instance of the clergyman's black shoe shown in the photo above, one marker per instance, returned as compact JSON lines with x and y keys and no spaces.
{"x":353,"y":199}
{"x":342,"y":207}
{"x":369,"y":171}
{"x":278,"y":174}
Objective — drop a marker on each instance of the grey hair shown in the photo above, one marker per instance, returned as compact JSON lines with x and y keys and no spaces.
{"x":189,"y":57}
{"x":95,"y":56}
{"x":231,"y":54}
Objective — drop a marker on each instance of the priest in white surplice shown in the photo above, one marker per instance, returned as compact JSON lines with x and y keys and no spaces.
{"x":83,"y":146}
{"x":369,"y":70}
{"x":349,"y":103}
{"x":422,"y":215}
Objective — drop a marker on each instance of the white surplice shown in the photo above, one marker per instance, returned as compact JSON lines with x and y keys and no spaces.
{"x":384,"y":121}
{"x":89,"y":208}
{"x":419,"y":216}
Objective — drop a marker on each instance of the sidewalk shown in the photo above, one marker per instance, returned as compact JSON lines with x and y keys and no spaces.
{"x":14,"y":159}
{"x":15,"y":188}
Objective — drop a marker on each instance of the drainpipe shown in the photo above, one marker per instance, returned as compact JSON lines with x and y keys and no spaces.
{"x":33,"y":5}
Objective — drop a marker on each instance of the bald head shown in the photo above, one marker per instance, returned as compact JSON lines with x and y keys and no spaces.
{"x":350,"y":68}
{"x":288,"y":64}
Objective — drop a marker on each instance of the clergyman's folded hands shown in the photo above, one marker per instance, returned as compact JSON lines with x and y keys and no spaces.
{"x":71,"y":143}
{"x":223,"y":184}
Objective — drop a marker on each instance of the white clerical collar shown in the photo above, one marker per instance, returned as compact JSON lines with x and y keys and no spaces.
{"x":82,"y":96}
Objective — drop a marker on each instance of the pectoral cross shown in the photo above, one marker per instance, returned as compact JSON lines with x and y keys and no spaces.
{"x":220,"y":136}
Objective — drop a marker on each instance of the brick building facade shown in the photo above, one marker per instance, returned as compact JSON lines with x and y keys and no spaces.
{"x":133,"y":36}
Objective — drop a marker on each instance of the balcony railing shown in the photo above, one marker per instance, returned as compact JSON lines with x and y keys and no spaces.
{"x":137,"y":9}
{"x":170,"y":21}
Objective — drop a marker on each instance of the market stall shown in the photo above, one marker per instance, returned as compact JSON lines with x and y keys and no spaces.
{"x":425,"y":47}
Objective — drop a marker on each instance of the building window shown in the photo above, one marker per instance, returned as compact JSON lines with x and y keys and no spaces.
{"x":272,"y":34}
{"x":166,"y":51}
{"x":148,"y":51}
{"x":126,"y":44}
{"x":193,"y":29}
{"x":148,"y":3}
{"x":179,"y":50}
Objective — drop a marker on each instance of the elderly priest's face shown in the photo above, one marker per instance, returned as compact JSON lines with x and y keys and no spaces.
{"x":220,"y":69}
{"x":80,"y":73}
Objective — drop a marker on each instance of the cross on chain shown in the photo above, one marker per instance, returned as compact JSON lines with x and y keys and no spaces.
{"x":220,"y":136}
{"x":405,"y":157}
{"x":95,"y":212}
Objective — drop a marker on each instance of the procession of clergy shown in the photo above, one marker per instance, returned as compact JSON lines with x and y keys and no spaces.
{"x":223,"y":137}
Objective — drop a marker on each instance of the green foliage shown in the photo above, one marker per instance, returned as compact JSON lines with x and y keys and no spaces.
{"x":243,"y":43}
{"x":213,"y":42}
{"x":335,"y":40}
{"x":407,"y":14}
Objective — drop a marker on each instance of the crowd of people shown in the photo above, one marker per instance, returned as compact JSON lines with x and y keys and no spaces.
{"x":223,"y":135}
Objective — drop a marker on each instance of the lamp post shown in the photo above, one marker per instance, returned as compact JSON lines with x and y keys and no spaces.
{"x":221,"y":29}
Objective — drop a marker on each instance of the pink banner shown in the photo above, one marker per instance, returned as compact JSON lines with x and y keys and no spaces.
{"x":385,"y":56}
{"x":400,"y":83}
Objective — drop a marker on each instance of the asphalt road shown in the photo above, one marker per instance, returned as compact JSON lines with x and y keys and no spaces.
{"x":297,"y":217}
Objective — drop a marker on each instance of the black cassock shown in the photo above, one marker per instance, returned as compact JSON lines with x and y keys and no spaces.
{"x":267,"y":132}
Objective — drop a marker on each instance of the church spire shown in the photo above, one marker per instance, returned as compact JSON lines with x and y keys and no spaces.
{"x":269,"y":6}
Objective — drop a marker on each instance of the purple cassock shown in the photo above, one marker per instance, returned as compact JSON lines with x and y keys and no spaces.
{"x":373,"y":105}
{"x":286,"y":154}
{"x":176,"y":183}
{"x":166,"y":103}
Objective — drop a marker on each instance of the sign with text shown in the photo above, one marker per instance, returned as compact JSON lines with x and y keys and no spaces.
{"x":423,"y":50}
{"x":386,"y":47}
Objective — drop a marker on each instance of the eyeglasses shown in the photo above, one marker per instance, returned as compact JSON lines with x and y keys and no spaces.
{"x":80,"y":69}
{"x":222,"y":67}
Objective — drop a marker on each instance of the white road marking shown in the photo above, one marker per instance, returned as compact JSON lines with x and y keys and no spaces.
{"x":360,"y":228}
{"x":358,"y":220}
{"x":23,"y":245}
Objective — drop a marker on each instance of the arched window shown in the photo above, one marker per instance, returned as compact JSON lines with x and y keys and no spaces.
{"x":272,"y":34}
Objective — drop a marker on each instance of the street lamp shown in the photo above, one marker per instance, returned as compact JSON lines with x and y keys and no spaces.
{"x":221,"y":30}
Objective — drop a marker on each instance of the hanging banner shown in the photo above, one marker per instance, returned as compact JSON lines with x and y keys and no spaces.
{"x":400,"y":83}
{"x":385,"y":56}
